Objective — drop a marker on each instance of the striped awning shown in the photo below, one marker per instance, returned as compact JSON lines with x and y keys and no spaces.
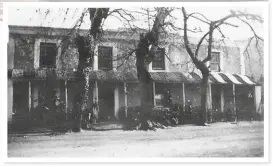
{"x":221,"y":78}
{"x":227,"y":78}
{"x":215,"y":77}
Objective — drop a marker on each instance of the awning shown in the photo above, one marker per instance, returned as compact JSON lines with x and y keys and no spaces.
{"x":244,"y":79}
{"x":131,"y":76}
{"x":229,"y":78}
{"x":171,"y":77}
{"x":217,"y":78}
{"x":45,"y":73}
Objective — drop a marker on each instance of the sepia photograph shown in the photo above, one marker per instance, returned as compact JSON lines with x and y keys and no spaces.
{"x":137,"y":80}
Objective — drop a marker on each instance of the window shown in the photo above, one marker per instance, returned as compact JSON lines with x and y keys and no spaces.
{"x":158,"y":62}
{"x":162,"y":96}
{"x":159,"y":100}
{"x":48,"y":54}
{"x":105,"y":58}
{"x":215,"y":61}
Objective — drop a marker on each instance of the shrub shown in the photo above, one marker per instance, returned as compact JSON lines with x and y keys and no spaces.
{"x":132,"y":113}
{"x":155,"y":118}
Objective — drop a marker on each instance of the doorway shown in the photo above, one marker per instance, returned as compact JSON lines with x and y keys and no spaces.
{"x":20,"y":99}
{"x":106,"y":102}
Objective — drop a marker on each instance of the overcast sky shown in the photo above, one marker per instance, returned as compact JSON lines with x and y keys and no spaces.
{"x":32,"y":16}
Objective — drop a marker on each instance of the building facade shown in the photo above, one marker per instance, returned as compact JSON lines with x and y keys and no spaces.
{"x":42,"y":63}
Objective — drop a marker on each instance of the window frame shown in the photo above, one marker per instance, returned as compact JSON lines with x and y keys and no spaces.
{"x":216,"y":63}
{"x":105,"y":58}
{"x":162,"y":60}
{"x":37,"y":50}
{"x":159,"y":97}
{"x":47,"y":44}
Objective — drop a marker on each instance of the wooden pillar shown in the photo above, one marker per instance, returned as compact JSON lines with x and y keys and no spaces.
{"x":125,"y":99}
{"x":222,"y":100}
{"x":35,"y":96}
{"x":154,"y":94}
{"x":183,"y":97}
{"x":258,"y":98}
{"x":116,"y":101}
{"x":10,"y":59}
{"x":66,"y":99}
{"x":209,"y":97}
{"x":10,"y":53}
{"x":29,"y":99}
{"x":95,"y":63}
{"x":58,"y":93}
{"x":234,"y":102}
{"x":10,"y":99}
{"x":96,"y":98}
{"x":209,"y":103}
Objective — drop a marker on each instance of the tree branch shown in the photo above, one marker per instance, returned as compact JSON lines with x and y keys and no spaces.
{"x":252,"y":29}
{"x":210,"y":43}
{"x":198,"y":64}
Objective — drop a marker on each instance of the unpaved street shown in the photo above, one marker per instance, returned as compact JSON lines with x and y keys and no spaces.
{"x":217,"y":140}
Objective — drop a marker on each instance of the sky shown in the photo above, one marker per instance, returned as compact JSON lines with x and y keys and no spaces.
{"x":56,"y":17}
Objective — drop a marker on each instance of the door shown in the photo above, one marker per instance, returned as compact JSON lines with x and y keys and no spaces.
{"x":20,"y":99}
{"x":106,"y":101}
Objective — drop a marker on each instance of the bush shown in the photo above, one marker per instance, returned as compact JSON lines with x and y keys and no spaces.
{"x":132,"y":113}
{"x":132,"y":117}
{"x":156,"y":118}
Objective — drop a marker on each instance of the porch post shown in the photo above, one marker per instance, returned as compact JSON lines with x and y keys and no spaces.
{"x":125,"y":99}
{"x":222,"y":101}
{"x":95,"y":62}
{"x":116,"y":101}
{"x":96,"y":99}
{"x":257,"y":98}
{"x":183,"y":97}
{"x":10,"y":99}
{"x":10,"y":57}
{"x":66,"y":99}
{"x":209,"y":103}
{"x":234,"y":101}
{"x":35,"y":96}
{"x":154,"y":94}
{"x":209,"y":97}
{"x":29,"y":98}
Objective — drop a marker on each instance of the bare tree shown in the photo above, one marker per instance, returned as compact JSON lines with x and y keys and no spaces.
{"x":145,"y":53}
{"x":86,"y":49}
{"x":208,"y":36}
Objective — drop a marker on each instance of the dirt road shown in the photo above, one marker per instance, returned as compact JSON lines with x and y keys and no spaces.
{"x":217,"y":140}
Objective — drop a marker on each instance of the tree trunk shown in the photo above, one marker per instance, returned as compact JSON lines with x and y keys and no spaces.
{"x":85,"y":60}
{"x":86,"y":91}
{"x":81,"y":101}
{"x":204,"y":99}
{"x":146,"y":102}
{"x":85,"y":98}
{"x":77,"y":106}
{"x":86,"y":48}
{"x":145,"y":84}
{"x":145,"y":53}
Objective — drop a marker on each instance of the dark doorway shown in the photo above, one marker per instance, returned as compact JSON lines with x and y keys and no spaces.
{"x":216,"y":97}
{"x":106,"y":102}
{"x":244,"y":102}
{"x":20,"y":99}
